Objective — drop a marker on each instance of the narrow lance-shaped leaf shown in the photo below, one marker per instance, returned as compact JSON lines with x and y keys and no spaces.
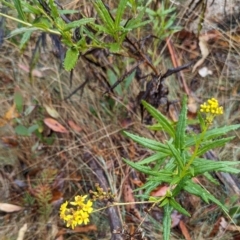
{"x":201,"y":121}
{"x":141,"y":168}
{"x":201,"y":165}
{"x":54,"y":10}
{"x":78,"y":23}
{"x":212,"y":145}
{"x":197,"y":190}
{"x":22,"y":30}
{"x":120,"y":10}
{"x":211,"y":134}
{"x":176,"y":155}
{"x":149,"y":143}
{"x":26,"y":36}
{"x":134,"y":21}
{"x":165,"y":123}
{"x":104,"y":15}
{"x":167,"y":221}
{"x":158,"y":157}
{"x":18,"y":6}
{"x":181,"y":126}
{"x":178,"y":207}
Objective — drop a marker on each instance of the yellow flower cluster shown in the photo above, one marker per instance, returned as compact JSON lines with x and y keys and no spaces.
{"x":211,"y":108}
{"x":78,"y":214}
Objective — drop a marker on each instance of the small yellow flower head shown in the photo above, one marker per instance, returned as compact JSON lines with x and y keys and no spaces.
{"x":79,"y":200}
{"x":77,"y":215}
{"x":88,"y":207}
{"x":212,"y":109}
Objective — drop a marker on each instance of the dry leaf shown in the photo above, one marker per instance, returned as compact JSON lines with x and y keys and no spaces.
{"x":60,"y":237}
{"x":192,"y":105}
{"x":230,"y":227}
{"x":9,"y":115}
{"x":7,"y":207}
{"x":51,"y":111}
{"x":176,"y":218}
{"x":129,"y":198}
{"x":3,"y":122}
{"x":137,"y":182}
{"x":85,"y":229}
{"x":22,"y":232}
{"x":160,"y":191}
{"x":184,"y":230}
{"x":204,"y":51}
{"x":55,"y":126}
{"x":74,"y":126}
{"x":10,"y":141}
{"x":203,"y":45}
{"x":35,"y":72}
{"x":173,"y":113}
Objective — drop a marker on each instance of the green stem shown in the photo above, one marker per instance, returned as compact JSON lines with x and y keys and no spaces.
{"x":195,"y":152}
{"x":29,"y":24}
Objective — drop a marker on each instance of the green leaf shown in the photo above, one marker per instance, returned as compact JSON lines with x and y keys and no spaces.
{"x":67,"y":11}
{"x":211,"y":134}
{"x":197,"y":190}
{"x":101,"y":29}
{"x":149,"y":143}
{"x":21,"y":130}
{"x":71,"y":59}
{"x":78,"y":23}
{"x":92,"y":36}
{"x":181,"y":126}
{"x":210,"y":178}
{"x":112,"y":78}
{"x":128,"y":80}
{"x":120,"y":10}
{"x":21,"y":30}
{"x":167,"y":221}
{"x":30,"y":9}
{"x":162,"y":120}
{"x":18,"y":100}
{"x":137,"y":25}
{"x":180,"y":184}
{"x":178,"y":207}
{"x":32,"y":129}
{"x":114,"y":47}
{"x":41,"y":25}
{"x":176,"y":154}
{"x":54,"y":9}
{"x":29,"y":109}
{"x":147,"y":170}
{"x":104,"y":15}
{"x":26,"y":36}
{"x":138,"y":20}
{"x":211,"y":145}
{"x":201,"y":165}
{"x":163,"y":176}
{"x":158,"y":157}
{"x":201,"y":121}
{"x":149,"y":186}
{"x":18,"y":6}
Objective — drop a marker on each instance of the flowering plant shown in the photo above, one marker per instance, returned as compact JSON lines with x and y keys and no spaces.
{"x":81,"y":208}
{"x":78,"y":215}
{"x":175,"y":164}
